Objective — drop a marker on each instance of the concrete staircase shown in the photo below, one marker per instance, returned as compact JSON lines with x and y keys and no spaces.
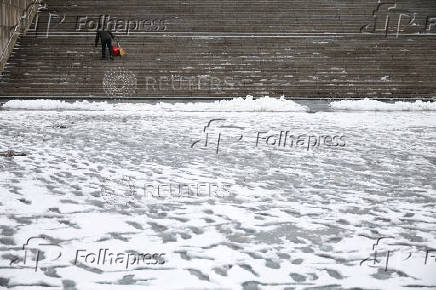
{"x":214,"y":49}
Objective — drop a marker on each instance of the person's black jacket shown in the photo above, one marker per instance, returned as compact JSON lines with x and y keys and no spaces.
{"x":104,"y":35}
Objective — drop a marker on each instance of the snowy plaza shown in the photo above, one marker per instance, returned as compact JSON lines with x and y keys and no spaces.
{"x":218,"y":145}
{"x":137,"y":195}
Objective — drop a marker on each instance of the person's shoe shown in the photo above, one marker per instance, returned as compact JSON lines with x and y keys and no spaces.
{"x":103,"y":57}
{"x":112,"y":58}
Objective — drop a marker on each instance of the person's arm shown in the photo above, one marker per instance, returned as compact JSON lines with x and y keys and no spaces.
{"x":97,"y":37}
{"x":111,"y":34}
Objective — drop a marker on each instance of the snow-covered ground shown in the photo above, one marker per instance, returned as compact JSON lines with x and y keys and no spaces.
{"x":251,"y":213}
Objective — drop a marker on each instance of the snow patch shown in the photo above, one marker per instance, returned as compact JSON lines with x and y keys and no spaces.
{"x":374,"y":105}
{"x":248,"y":104}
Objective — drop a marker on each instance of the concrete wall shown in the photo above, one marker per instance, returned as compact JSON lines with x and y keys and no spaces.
{"x":10,"y":14}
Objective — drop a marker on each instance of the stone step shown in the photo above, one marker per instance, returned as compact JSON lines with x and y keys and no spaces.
{"x":293,"y":47}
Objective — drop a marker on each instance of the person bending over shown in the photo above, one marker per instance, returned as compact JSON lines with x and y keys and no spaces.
{"x":106,"y":41}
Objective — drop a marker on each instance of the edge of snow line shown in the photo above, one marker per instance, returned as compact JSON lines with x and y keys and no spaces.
{"x":374,"y":105}
{"x":247,"y":104}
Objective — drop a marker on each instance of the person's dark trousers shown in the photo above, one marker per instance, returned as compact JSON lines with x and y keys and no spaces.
{"x":106,"y":43}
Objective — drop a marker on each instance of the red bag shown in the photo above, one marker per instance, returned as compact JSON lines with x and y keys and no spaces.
{"x":115,"y":51}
